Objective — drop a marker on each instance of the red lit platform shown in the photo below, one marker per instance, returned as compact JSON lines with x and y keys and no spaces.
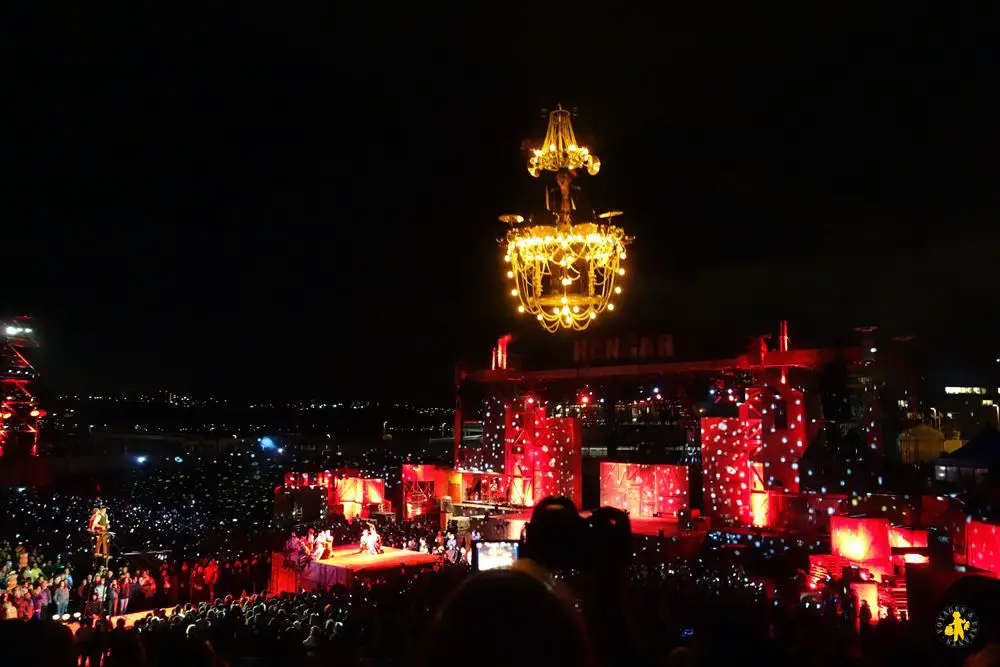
{"x":345,"y":564}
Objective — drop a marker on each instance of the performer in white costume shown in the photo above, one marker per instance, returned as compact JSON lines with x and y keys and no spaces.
{"x":374,"y":541}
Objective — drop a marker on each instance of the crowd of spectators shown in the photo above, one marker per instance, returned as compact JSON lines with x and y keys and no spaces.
{"x":36,"y":587}
{"x":188,"y":506}
{"x":681,"y":614}
{"x":173,"y":520}
{"x":175,"y":540}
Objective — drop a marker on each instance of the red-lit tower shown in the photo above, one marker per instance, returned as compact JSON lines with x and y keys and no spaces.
{"x":19,"y":412}
{"x":543,"y":456}
{"x":781,"y":410}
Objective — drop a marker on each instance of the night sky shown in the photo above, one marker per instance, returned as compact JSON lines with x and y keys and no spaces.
{"x":305,"y":205}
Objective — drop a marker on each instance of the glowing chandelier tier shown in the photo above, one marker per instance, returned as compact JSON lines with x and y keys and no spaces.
{"x":564,"y":262}
{"x":560,"y":149}
{"x":565,"y":278}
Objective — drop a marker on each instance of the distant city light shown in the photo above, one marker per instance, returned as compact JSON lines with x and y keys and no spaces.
{"x":140,"y":459}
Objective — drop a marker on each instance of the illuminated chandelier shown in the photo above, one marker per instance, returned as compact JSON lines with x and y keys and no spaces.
{"x":564,"y":272}
{"x":560,"y":149}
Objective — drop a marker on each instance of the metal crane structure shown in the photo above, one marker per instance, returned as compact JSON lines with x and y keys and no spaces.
{"x":19,"y":411}
{"x":769,"y":368}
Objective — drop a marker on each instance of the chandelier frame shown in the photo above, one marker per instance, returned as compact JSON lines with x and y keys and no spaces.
{"x":566,"y":276}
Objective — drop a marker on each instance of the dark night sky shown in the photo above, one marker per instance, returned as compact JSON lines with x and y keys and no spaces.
{"x":287,"y":205}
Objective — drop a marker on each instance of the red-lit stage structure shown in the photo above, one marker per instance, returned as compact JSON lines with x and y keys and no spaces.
{"x":877,"y":541}
{"x":983,"y":546}
{"x":750,"y":463}
{"x":870,"y":554}
{"x":19,"y":412}
{"x":526,"y":456}
{"x":645,"y":491}
{"x":653,"y":495}
{"x":346,"y":491}
{"x":342,"y":568}
{"x":750,"y":467}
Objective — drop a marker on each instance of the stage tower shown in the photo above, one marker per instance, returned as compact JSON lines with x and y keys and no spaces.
{"x":19,"y":412}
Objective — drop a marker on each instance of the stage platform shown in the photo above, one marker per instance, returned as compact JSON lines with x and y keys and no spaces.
{"x":342,"y":567}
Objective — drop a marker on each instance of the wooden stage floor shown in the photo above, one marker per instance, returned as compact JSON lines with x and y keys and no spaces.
{"x":348,"y":557}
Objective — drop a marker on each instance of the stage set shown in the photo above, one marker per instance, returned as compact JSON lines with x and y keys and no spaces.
{"x":343,"y":491}
{"x":342,"y":567}
{"x":751,"y":483}
{"x":750,"y":479}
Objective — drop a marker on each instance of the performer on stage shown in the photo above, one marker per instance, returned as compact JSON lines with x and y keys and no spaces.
{"x":371,"y":541}
{"x":310,"y":543}
{"x":365,"y":541}
{"x":324,"y":545}
{"x":100,"y":526}
{"x":374,"y":541}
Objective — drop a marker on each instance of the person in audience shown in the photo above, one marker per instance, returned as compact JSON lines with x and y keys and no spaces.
{"x":111,"y":597}
{"x":126,"y":590}
{"x":211,"y":576}
{"x":61,"y":598}
{"x":525,"y":607}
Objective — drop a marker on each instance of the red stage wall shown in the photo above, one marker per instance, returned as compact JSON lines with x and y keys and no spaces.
{"x":727,"y":479}
{"x":860,"y":539}
{"x":933,"y":510}
{"x":781,"y":412}
{"x":902,"y":537}
{"x":543,"y":456}
{"x":645,"y":490}
{"x":424,"y":485}
{"x":559,"y":466}
{"x":346,"y":490}
{"x":983,"y":543}
{"x":356,"y":494}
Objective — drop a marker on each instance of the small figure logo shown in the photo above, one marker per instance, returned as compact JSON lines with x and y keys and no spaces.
{"x":957,"y":626}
